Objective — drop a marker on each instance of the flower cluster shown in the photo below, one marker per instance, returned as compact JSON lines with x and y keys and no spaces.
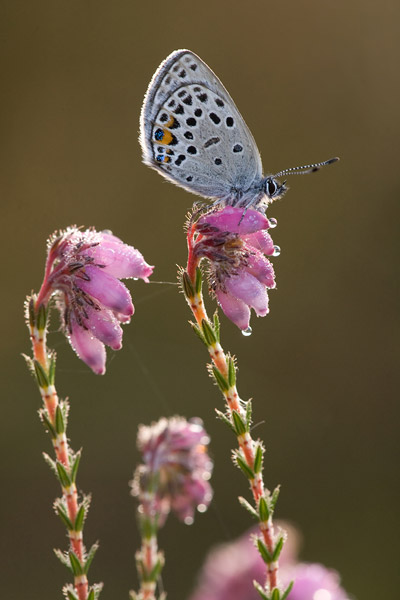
{"x":176,"y":467}
{"x":83,"y":269}
{"x":230,"y":570}
{"x":236,"y":245}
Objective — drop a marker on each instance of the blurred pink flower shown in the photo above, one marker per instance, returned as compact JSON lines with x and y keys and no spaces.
{"x":83,"y":269}
{"x":176,"y":467}
{"x":240,"y":274}
{"x":230,"y":569}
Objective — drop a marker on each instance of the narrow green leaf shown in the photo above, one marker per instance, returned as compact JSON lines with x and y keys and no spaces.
{"x":208,"y":332}
{"x":260,"y":590}
{"x":90,"y":557}
{"x":263,"y":509}
{"x":240,"y":426}
{"x":231,"y":372}
{"x":63,"y":558}
{"x":41,"y":375}
{"x":51,"y":463}
{"x":91,"y":595}
{"x":220,"y":379}
{"x":71,"y":595}
{"x":64,"y":518}
{"x":248,"y":507}
{"x":63,"y":475}
{"x":275,"y":496}
{"x":278,"y":548}
{"x":198,"y":332}
{"x":46,"y":422}
{"x":242,"y":464}
{"x":276,"y":594}
{"x":75,"y":465}
{"x":80,"y":517}
{"x":52,"y":368}
{"x":249,"y":410}
{"x":225,"y":419}
{"x":157,"y":568}
{"x":258,"y":458}
{"x":59,"y":420}
{"x":187,"y":286}
{"x":217,"y":325}
{"x":262,"y":548}
{"x":76,"y":566}
{"x":41,"y":317}
{"x":199,"y":280}
{"x":287,"y":591}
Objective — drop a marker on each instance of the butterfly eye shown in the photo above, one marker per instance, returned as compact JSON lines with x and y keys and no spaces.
{"x":271,"y":187}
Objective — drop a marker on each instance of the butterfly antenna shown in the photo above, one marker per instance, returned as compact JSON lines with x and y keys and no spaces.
{"x":304,"y":170}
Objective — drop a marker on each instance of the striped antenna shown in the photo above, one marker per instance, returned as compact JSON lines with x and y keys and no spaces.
{"x":307,"y":168}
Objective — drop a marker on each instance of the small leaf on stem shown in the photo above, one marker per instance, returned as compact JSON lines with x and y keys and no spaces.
{"x":208,"y":332}
{"x":41,"y":375}
{"x":240,"y":426}
{"x":76,"y":566}
{"x":63,"y":475}
{"x":220,"y":379}
{"x":263,"y":510}
{"x":242,"y":464}
{"x":248,"y":507}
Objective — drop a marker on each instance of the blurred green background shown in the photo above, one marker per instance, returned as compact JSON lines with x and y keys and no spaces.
{"x":312,"y":79}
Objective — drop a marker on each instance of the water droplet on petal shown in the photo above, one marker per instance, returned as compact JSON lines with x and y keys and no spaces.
{"x":276,"y":251}
{"x":201,"y":508}
{"x":188,"y":520}
{"x":272,"y":223}
{"x":247,"y":332}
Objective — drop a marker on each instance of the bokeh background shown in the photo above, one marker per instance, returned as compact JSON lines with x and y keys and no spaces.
{"x":313,"y":79}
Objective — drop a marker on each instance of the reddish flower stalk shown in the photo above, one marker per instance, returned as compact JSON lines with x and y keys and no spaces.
{"x":52,"y":415}
{"x":249,"y":457}
{"x":83,"y":272}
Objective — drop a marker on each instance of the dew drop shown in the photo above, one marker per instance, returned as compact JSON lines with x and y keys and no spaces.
{"x":247,"y":332}
{"x":272,"y":222}
{"x":276,"y":251}
{"x":188,"y":520}
{"x":201,"y":508}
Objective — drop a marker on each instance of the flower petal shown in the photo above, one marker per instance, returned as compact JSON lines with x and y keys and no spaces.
{"x":261,"y":268}
{"x":119,"y":259}
{"x":235,"y":220}
{"x":104,"y":325}
{"x":107,"y":289}
{"x":88,"y":348}
{"x":247,"y":288}
{"x":261,"y":240}
{"x":236,"y":310}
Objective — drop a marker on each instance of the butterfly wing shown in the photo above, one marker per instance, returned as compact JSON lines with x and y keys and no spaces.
{"x":192,"y":133}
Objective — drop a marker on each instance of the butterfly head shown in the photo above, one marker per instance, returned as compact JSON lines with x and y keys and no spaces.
{"x":273,"y":189}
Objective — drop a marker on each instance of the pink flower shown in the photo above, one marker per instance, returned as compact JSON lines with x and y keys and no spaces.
{"x":240,"y":274}
{"x":176,"y":467}
{"x":83,"y":269}
{"x":230,"y":569}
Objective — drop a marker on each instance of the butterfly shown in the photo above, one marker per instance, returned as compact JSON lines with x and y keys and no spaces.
{"x":193,"y":134}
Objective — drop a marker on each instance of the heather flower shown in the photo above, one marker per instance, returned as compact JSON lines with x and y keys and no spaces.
{"x":83,"y":270}
{"x":176,"y":468}
{"x":230,"y":570}
{"x":236,"y":245}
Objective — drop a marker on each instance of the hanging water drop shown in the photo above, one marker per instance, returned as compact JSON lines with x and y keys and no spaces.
{"x":247,"y":332}
{"x":272,"y":222}
{"x":276,"y":251}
